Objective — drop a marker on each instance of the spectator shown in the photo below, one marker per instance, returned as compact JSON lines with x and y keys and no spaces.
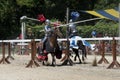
{"x":94,"y":33}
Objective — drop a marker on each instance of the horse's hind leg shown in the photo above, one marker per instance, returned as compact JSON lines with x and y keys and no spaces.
{"x":75,"y":57}
{"x":74,"y":51}
{"x":79,"y":59}
{"x":83,"y":58}
{"x":78,"y":55}
{"x":83,"y":55}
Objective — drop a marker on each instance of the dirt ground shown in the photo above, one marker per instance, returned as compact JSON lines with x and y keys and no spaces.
{"x":17,"y":70}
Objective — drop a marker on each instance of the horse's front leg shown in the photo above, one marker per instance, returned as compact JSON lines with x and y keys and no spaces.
{"x":75,"y":57}
{"x":53,"y":59}
{"x":79,"y":58}
{"x":77,"y":54}
{"x":83,"y":56}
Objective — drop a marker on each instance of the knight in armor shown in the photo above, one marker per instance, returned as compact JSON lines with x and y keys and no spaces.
{"x":48,"y":32}
{"x":72,"y":29}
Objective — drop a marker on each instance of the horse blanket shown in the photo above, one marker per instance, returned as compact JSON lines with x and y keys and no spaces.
{"x":74,"y":40}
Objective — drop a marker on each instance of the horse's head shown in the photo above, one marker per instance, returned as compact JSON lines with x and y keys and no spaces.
{"x":58,"y":32}
{"x":53,"y":39}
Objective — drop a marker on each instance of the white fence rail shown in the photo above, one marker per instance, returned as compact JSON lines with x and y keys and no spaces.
{"x":64,"y":39}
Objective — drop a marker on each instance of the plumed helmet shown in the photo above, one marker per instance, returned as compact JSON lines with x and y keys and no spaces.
{"x":47,"y":21}
{"x":75,"y":15}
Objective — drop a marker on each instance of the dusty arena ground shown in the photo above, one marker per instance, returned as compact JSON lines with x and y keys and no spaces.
{"x":17,"y":70}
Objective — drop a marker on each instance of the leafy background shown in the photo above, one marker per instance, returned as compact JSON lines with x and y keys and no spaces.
{"x":12,"y":10}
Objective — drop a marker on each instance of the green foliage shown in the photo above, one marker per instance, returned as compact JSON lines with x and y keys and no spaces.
{"x":29,"y":3}
{"x":102,"y":27}
{"x":12,"y":10}
{"x":106,"y":4}
{"x":8,"y":18}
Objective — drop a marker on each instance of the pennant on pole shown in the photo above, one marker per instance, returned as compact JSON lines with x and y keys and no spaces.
{"x":41,"y":18}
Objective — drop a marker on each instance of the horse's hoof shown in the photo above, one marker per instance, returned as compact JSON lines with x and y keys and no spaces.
{"x":64,"y":63}
{"x":84,"y":62}
{"x":71,"y":64}
{"x":47,"y":63}
{"x":43,"y":63}
{"x":53,"y":65}
{"x":80,"y":62}
{"x":39,"y":60}
{"x":74,"y":59}
{"x":83,"y":59}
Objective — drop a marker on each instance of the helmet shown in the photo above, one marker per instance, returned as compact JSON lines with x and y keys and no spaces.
{"x":71,"y":20}
{"x":47,"y":21}
{"x":75,"y":15}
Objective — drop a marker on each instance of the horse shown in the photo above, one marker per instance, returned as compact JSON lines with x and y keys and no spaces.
{"x":82,"y":47}
{"x":77,"y":47}
{"x":52,"y":47}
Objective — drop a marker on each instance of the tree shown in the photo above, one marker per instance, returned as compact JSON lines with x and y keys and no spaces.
{"x":12,"y":10}
{"x":106,"y":4}
{"x":8,"y":18}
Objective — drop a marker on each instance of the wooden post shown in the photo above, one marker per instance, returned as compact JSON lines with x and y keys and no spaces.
{"x":115,"y":62}
{"x":68,"y":60}
{"x":3,"y":60}
{"x":103,"y":59}
{"x":67,"y":56}
{"x":33,"y":55}
{"x":9,"y":52}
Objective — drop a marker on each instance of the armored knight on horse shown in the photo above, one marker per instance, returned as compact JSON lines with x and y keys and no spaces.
{"x":75,"y":44}
{"x":50,"y":43}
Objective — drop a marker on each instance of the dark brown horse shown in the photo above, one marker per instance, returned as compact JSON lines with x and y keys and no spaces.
{"x":52,"y":47}
{"x":81,"y":50}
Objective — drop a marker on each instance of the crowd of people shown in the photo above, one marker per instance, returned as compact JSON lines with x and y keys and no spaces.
{"x":108,"y":47}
